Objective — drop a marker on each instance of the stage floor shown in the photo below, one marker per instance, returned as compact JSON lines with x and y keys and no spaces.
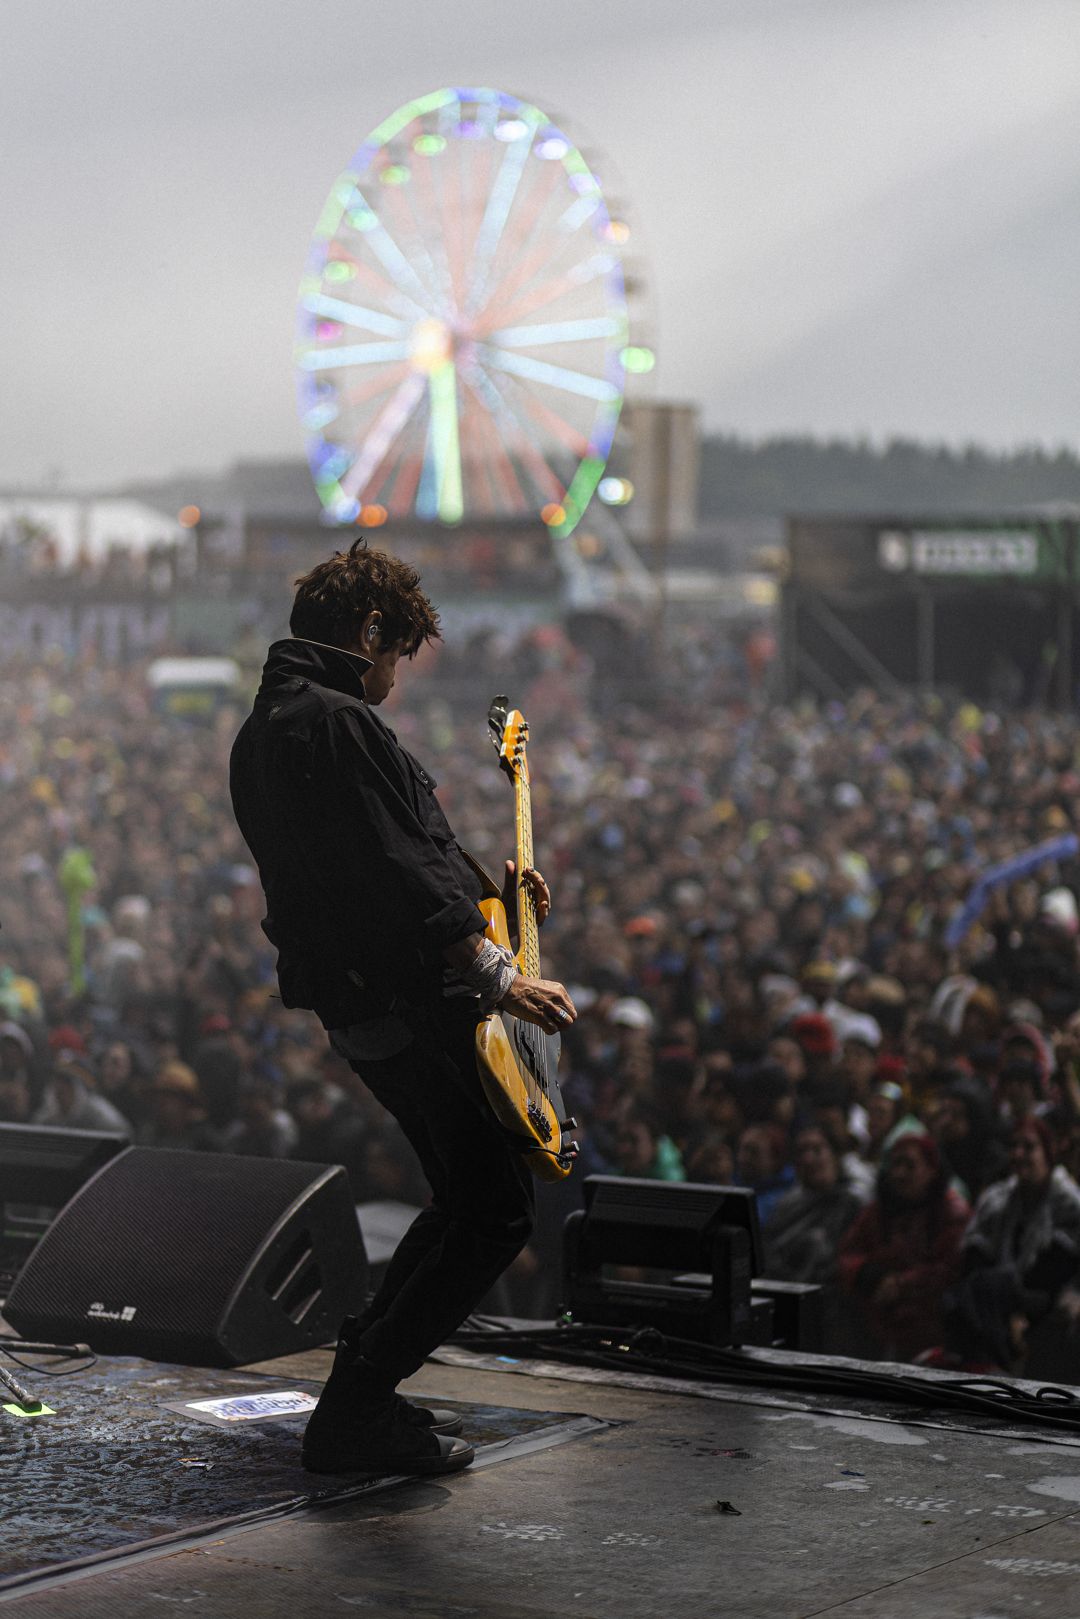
{"x":854,"y":1515}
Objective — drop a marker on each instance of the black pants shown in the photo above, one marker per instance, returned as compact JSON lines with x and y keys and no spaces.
{"x":481,"y":1212}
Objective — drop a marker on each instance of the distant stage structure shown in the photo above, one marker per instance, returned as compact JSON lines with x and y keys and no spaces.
{"x":466,"y":322}
{"x":987,"y":606}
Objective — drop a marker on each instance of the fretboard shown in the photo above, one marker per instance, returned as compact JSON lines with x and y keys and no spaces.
{"x":528,"y":927}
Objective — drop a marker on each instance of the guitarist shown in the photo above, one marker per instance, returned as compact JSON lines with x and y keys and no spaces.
{"x":372,"y":908}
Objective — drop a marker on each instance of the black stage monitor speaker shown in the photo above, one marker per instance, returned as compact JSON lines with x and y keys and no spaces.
{"x":201,"y":1259}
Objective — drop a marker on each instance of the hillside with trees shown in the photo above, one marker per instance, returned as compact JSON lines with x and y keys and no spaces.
{"x":771,"y":478}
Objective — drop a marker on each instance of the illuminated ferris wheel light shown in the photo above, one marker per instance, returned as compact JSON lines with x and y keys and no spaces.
{"x":615,"y":491}
{"x":464,"y":330}
{"x":638,"y":360}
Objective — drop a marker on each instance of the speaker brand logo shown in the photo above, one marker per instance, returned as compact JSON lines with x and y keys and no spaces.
{"x":98,"y":1312}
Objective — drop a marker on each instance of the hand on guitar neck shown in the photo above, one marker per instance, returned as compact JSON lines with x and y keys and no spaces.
{"x":529,"y":998}
{"x":538,"y":891}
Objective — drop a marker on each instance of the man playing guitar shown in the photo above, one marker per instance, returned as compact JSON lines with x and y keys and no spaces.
{"x":372,"y":907}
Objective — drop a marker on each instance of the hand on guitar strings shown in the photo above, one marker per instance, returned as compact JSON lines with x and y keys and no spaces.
{"x":540,"y":1001}
{"x":538,"y":890}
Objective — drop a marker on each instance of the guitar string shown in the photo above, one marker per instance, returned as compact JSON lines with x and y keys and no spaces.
{"x":528,"y":916}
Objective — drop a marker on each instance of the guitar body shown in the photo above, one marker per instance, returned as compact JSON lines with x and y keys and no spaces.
{"x":518,"y":1063}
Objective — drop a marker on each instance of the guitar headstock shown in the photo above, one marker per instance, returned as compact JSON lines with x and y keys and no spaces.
{"x":509,"y":733}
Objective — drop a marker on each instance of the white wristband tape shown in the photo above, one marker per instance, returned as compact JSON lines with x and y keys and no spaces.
{"x":490,"y":974}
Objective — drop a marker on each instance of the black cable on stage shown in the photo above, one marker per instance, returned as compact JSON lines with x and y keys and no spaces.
{"x":650,"y":1351}
{"x":88,"y":1358}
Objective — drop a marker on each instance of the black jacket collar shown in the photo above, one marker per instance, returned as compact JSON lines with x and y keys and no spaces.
{"x":330,"y":666}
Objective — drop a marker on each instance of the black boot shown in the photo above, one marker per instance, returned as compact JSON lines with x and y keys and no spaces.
{"x":361,"y":1425}
{"x":437,"y":1419}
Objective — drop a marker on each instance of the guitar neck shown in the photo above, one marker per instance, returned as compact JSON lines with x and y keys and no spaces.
{"x":528,"y":927}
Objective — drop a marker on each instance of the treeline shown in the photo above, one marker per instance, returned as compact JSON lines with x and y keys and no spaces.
{"x":784,"y":475}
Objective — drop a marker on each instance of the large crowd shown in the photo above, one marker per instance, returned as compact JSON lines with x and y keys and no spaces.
{"x":752,"y":908}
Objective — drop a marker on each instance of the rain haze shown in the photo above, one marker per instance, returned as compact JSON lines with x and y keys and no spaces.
{"x":857,"y":219}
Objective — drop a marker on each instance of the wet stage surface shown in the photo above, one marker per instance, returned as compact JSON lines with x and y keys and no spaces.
{"x":854,"y":1514}
{"x":132,"y":1454}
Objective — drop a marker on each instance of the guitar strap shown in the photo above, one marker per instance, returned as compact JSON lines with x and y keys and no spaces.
{"x":491,"y":889}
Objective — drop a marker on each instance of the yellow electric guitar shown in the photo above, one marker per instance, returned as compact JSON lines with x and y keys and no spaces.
{"x":518,"y":1062}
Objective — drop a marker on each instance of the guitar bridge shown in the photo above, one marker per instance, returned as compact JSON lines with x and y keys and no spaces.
{"x":538,"y":1120}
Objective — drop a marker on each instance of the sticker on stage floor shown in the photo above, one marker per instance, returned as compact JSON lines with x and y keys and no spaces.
{"x":253,"y":1407}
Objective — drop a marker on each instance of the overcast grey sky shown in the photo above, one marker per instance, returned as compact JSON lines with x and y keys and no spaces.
{"x":859,"y":216}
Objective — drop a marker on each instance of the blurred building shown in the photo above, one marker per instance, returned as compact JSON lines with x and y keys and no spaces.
{"x":723,"y":569}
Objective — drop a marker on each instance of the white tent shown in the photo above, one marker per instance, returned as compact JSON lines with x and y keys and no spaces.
{"x":93,"y":524}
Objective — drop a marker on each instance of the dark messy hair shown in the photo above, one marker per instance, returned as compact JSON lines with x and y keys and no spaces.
{"x":332,"y":601}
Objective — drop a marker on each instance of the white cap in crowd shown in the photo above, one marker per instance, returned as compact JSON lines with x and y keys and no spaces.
{"x":862,"y":1027}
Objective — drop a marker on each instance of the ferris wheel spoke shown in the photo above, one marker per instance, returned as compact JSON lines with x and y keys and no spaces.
{"x":526,"y":226}
{"x":543,"y":256}
{"x":555,"y":376}
{"x":360,"y":392}
{"x":539,"y":263}
{"x":557,"y":426}
{"x":387,"y":476}
{"x":444,"y":420}
{"x":561,"y":331}
{"x":578,"y":212}
{"x":350,"y":314}
{"x":358,"y":354}
{"x":453,"y":239}
{"x":409,"y":230}
{"x":376,"y":285}
{"x":477,"y":473}
{"x":482,"y":182}
{"x":459,"y":241}
{"x":437,"y":237}
{"x":440,"y":492}
{"x":386,"y":427}
{"x":447,"y":122}
{"x":393,"y":260}
{"x":404,"y":491}
{"x":449,"y":226}
{"x":493,"y":417}
{"x":548,"y":292}
{"x":520,"y":437}
{"x":449,"y":233}
{"x":500,"y":202}
{"x":502,"y":469}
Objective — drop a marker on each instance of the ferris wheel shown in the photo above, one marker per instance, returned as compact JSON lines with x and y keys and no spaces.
{"x":465,"y":322}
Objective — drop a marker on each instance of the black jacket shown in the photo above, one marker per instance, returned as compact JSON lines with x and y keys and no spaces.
{"x":365,"y":883}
